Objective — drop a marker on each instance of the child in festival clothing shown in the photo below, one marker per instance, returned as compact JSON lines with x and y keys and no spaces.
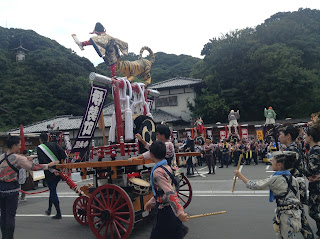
{"x":285,"y":189}
{"x":312,"y":170}
{"x":170,"y":213}
{"x":163,"y":134}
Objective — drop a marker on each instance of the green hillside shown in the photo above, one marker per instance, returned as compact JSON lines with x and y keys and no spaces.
{"x":53,"y":80}
{"x":274,"y":64}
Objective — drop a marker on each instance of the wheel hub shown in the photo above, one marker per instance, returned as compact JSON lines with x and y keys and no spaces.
{"x":106,"y":215}
{"x":82,"y":211}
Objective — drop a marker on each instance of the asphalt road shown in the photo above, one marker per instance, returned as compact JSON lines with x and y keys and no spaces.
{"x":249,"y":214}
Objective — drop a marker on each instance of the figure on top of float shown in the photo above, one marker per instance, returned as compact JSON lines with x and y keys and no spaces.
{"x":270,"y":115}
{"x":100,"y":42}
{"x":233,"y":117}
{"x":199,"y":126}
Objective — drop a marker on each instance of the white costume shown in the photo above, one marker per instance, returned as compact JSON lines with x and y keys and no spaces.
{"x":233,"y":117}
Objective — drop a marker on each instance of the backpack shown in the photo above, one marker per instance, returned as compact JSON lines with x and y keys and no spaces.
{"x":175,"y":179}
{"x":22,"y":175}
{"x":302,"y":190}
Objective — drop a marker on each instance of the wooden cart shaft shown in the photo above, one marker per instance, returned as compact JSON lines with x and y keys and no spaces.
{"x":104,"y":164}
{"x":115,"y":163}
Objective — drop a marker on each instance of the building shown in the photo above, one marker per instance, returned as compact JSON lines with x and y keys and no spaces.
{"x":71,"y":124}
{"x":175,"y":94}
{"x":170,"y":107}
{"x":21,"y":53}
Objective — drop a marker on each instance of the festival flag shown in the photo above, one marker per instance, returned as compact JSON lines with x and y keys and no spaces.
{"x":97,"y":97}
{"x":23,"y":142}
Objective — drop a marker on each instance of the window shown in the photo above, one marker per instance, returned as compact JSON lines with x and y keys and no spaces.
{"x":168,"y":101}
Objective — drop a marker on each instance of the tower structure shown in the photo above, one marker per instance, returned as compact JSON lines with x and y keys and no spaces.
{"x":21,"y":53}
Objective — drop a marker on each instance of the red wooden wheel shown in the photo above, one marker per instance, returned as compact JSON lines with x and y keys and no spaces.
{"x":80,"y":210}
{"x":185,"y":191}
{"x":110,"y":212}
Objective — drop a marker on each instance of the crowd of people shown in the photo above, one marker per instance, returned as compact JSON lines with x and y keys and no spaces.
{"x":295,"y":158}
{"x":228,"y":152}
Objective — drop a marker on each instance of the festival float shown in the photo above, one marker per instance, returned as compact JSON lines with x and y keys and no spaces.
{"x":115,"y":201}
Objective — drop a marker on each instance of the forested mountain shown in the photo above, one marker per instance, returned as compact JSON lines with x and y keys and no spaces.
{"x":166,"y":66}
{"x":274,"y":64}
{"x":53,"y":80}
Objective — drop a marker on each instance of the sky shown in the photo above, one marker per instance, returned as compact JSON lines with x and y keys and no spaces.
{"x":170,"y":26}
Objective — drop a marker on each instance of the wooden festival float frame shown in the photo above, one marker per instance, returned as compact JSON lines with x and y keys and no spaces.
{"x":111,"y":206}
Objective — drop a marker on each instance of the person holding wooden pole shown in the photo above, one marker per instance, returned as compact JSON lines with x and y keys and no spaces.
{"x":170,"y":213}
{"x":285,"y":189}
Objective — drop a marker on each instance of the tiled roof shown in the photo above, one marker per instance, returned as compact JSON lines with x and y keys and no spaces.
{"x":69,"y":122}
{"x":160,"y":115}
{"x":64,"y":122}
{"x":108,"y":109}
{"x":176,"y":82}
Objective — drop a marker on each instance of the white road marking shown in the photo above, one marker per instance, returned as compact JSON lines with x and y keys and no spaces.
{"x":203,"y":168}
{"x":39,"y":215}
{"x":270,"y":171}
{"x":227,"y":195}
{"x":267,"y":167}
{"x":43,"y":196}
{"x":83,"y":180}
{"x":251,"y":193}
{"x":200,"y":174}
{"x":240,"y":169}
{"x":241,"y":166}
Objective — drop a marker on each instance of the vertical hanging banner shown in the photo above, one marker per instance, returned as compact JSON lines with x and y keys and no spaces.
{"x":67,"y":141}
{"x":150,"y":101}
{"x":244,"y":132}
{"x":259,"y":134}
{"x":223,"y":134}
{"x":209,"y":133}
{"x":97,"y":97}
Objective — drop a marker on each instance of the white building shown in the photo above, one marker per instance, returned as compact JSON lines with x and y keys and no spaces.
{"x":170,"y":107}
{"x":175,"y":94}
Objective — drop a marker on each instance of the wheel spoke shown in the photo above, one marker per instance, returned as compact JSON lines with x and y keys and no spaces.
{"x":106,"y":231}
{"x":108,"y":198}
{"x":181,"y":194}
{"x":122,"y":213}
{"x":116,"y":229}
{"x":182,"y":200}
{"x":114,"y":205}
{"x":98,"y":208}
{"x":96,"y":199}
{"x":111,"y":231}
{"x":184,"y":184}
{"x":123,"y":220}
{"x":104,"y":200}
{"x":97,"y":221}
{"x":113,"y":195}
{"x":95,"y":214}
{"x":119,"y":224}
{"x":120,"y":207}
{"x":101,"y":226}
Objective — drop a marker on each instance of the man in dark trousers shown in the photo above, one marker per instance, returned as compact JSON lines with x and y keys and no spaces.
{"x":48,"y":152}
